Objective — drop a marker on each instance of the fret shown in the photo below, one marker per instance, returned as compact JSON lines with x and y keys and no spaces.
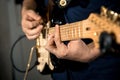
{"x":79,"y":30}
{"x":72,"y":32}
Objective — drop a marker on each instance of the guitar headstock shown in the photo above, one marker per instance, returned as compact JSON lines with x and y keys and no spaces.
{"x":107,"y":16}
{"x":107,"y":21}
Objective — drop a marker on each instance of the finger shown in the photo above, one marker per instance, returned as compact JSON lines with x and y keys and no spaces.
{"x":57,"y":35}
{"x":28,"y":15}
{"x":32,"y":37}
{"x":30,"y":25}
{"x":50,"y":40}
{"x":33,"y":15}
{"x":50,"y":46}
{"x":34,"y":24}
{"x":29,"y":18}
{"x":32,"y":32}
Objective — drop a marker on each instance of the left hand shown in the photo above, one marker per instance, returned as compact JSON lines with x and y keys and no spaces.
{"x":75,"y":50}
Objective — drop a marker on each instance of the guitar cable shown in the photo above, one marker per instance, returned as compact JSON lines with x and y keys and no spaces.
{"x":29,"y":61}
{"x":12,"y":59}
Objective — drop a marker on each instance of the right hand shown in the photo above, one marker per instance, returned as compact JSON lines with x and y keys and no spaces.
{"x":31,"y":24}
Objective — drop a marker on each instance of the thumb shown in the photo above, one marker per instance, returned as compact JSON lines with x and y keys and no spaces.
{"x":32,"y":14}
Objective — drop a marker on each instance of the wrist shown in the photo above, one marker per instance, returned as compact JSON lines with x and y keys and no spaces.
{"x":29,"y":5}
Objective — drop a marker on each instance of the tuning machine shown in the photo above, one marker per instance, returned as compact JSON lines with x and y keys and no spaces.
{"x":110,"y":14}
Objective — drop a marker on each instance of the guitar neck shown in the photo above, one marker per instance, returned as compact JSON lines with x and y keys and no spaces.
{"x":80,"y":29}
{"x":89,"y":28}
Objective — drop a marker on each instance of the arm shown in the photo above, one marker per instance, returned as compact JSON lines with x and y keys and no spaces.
{"x":28,"y":4}
{"x":30,"y":22}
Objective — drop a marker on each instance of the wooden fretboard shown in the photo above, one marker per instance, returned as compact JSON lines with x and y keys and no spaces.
{"x":89,"y":28}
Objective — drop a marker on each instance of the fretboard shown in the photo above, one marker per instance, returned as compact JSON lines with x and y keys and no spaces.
{"x":80,"y":29}
{"x":69,"y":31}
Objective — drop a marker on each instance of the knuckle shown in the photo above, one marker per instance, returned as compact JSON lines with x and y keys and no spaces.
{"x":61,"y":55}
{"x":28,"y":37}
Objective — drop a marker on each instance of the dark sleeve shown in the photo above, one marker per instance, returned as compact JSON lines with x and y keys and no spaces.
{"x":41,"y":7}
{"x":81,"y":10}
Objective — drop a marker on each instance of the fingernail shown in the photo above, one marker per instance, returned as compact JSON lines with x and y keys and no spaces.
{"x":48,"y":36}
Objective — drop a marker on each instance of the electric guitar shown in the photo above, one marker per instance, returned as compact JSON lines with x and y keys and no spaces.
{"x":89,"y":28}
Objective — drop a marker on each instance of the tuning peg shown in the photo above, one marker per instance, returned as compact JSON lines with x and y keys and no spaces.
{"x":103,"y":11}
{"x":112,"y":15}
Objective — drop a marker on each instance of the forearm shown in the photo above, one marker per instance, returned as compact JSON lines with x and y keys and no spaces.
{"x":91,"y":53}
{"x":28,"y":4}
{"x":79,"y":51}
